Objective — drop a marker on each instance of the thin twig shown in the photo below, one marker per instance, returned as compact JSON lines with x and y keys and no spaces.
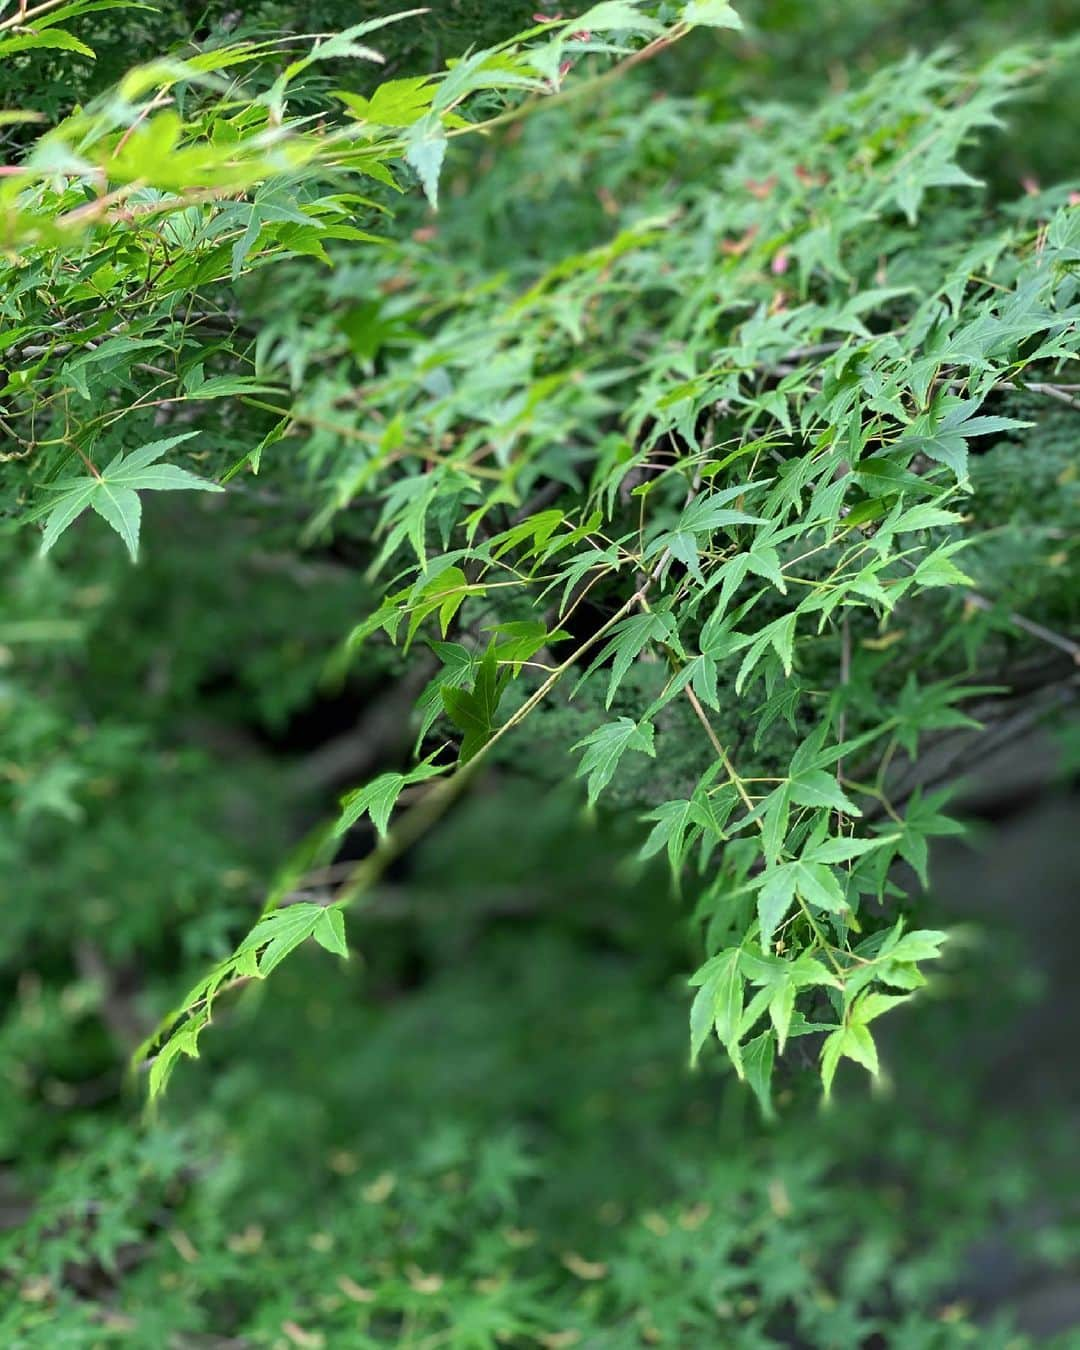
{"x":1037,"y":630}
{"x":418,"y":819}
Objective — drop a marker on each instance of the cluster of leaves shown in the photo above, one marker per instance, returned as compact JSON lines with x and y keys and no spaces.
{"x":123,"y":222}
{"x":725,"y":443}
{"x":720,"y":455}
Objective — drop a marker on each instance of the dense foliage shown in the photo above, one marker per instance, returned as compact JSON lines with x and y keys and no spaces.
{"x":607,"y":482}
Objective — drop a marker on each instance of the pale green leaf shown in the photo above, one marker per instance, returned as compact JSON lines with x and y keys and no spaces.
{"x":711,"y":14}
{"x":425,"y":150}
{"x":121,"y":508}
{"x":329,"y":932}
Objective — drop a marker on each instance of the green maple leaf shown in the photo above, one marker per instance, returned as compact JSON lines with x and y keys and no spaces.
{"x":112,"y":492}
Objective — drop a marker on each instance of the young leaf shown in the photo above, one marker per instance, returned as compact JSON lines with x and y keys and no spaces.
{"x":758,"y":1057}
{"x":378,"y":798}
{"x":111,"y":493}
{"x":329,"y":932}
{"x":425,"y":150}
{"x":711,"y":14}
{"x":719,"y":1004}
{"x":815,"y":787}
{"x":119,"y":507}
{"x":774,"y":900}
{"x":473,"y":711}
{"x":605,"y":746}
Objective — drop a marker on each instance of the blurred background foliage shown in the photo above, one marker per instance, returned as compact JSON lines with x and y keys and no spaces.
{"x":486,"y":1133}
